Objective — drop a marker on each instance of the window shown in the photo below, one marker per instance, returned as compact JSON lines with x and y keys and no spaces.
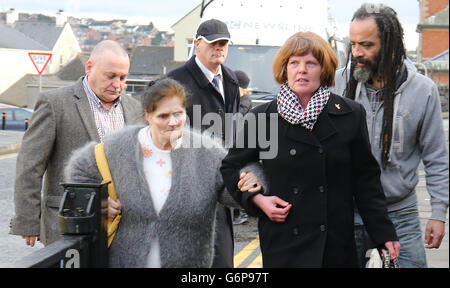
{"x":22,"y":115}
{"x":189,"y":46}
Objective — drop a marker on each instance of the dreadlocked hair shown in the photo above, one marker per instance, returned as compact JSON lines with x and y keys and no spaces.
{"x":390,"y":62}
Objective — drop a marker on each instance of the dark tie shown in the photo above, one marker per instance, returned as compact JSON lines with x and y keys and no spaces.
{"x":215,"y":81}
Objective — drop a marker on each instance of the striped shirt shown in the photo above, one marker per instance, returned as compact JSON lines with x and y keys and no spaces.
{"x":106,"y":120}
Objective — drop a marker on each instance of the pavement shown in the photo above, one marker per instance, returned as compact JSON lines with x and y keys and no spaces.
{"x":10,"y":141}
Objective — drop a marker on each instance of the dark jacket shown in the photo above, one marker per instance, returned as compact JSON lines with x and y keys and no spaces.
{"x":319,"y":173}
{"x":201,"y":92}
{"x":245,"y":104}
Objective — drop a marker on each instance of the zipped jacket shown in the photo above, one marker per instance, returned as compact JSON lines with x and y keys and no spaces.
{"x":418,"y":135}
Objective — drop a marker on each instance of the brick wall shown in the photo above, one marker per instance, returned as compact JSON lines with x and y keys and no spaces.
{"x":431,"y":7}
{"x":440,"y":78}
{"x":434,"y":41}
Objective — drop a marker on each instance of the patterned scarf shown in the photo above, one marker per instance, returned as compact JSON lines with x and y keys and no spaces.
{"x":291,"y":110}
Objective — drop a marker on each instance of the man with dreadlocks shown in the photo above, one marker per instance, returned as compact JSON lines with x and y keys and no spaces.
{"x":405,"y":126}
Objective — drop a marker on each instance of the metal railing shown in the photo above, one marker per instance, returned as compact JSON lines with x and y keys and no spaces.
{"x":83,"y":243}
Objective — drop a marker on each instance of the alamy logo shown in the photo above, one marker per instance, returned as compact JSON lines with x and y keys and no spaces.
{"x":73,"y":259}
{"x":373,"y":8}
{"x":261,"y":131}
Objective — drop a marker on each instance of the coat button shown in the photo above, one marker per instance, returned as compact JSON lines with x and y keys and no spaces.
{"x":320,"y":150}
{"x":323,"y":228}
{"x":295,"y":190}
{"x":293,"y":152}
{"x":321,"y":189}
{"x":295,"y":231}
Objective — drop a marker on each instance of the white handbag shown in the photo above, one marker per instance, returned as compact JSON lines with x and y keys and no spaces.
{"x":376,"y":261}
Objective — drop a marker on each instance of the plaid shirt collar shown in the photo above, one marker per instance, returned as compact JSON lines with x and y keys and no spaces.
{"x":94,"y":98}
{"x":106,"y":120}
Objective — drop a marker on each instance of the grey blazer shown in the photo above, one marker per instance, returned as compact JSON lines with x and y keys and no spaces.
{"x":185,"y":225}
{"x":62,"y":122}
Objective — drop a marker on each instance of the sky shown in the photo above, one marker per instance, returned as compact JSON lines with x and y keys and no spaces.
{"x":164,"y":13}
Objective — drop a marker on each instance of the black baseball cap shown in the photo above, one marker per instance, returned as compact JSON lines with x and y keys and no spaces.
{"x":213,"y":30}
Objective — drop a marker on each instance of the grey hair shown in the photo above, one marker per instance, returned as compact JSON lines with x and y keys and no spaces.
{"x":107,"y":45}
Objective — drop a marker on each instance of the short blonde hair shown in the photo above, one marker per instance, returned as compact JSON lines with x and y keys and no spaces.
{"x":300,"y":44}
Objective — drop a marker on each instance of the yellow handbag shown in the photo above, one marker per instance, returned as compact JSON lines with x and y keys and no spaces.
{"x":103,"y":167}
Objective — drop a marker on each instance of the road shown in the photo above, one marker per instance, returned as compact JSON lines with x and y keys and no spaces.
{"x":12,"y":247}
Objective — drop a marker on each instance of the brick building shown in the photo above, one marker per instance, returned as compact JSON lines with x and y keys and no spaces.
{"x":434,"y":40}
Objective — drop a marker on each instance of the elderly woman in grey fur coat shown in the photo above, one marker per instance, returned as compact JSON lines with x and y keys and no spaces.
{"x":167,"y":190}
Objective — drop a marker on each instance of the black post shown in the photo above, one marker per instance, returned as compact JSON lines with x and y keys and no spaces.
{"x":80,"y":213}
{"x":204,"y":7}
{"x":4,"y":121}
{"x":83,"y":227}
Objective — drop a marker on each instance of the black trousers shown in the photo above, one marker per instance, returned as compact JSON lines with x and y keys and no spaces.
{"x":224,"y":240}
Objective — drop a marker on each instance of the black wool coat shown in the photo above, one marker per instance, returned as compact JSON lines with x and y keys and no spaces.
{"x":201,"y":92}
{"x":321,"y":173}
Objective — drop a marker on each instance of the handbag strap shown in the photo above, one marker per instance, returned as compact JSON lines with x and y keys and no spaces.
{"x":388,"y":262}
{"x":103,"y":167}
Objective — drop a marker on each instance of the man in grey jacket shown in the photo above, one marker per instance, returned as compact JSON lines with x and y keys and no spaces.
{"x":64,"y":120}
{"x":405,"y":126}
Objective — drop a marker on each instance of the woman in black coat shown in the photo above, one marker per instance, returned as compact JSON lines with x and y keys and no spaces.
{"x":323,"y":166}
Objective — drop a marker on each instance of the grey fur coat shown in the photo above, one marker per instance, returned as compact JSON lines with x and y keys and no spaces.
{"x":185,"y":225}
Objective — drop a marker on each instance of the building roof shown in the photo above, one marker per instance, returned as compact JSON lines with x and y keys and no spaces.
{"x":13,"y":39}
{"x":192,"y":11}
{"x":45,"y":33}
{"x":73,"y":70}
{"x":438,"y":62}
{"x":150,"y":60}
{"x":441,"y":57}
{"x":438,"y":20}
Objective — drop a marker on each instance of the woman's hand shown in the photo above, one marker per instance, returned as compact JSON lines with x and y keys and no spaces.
{"x":268,"y":205}
{"x":114,"y":208}
{"x":249,"y":182}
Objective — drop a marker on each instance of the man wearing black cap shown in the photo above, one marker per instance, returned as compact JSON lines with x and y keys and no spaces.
{"x":212,"y":88}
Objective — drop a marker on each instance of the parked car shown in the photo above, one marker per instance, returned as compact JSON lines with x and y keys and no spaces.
{"x":16,"y":117}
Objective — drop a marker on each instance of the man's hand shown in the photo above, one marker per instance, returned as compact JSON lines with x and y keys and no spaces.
{"x":434,"y":234}
{"x":30,"y":240}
